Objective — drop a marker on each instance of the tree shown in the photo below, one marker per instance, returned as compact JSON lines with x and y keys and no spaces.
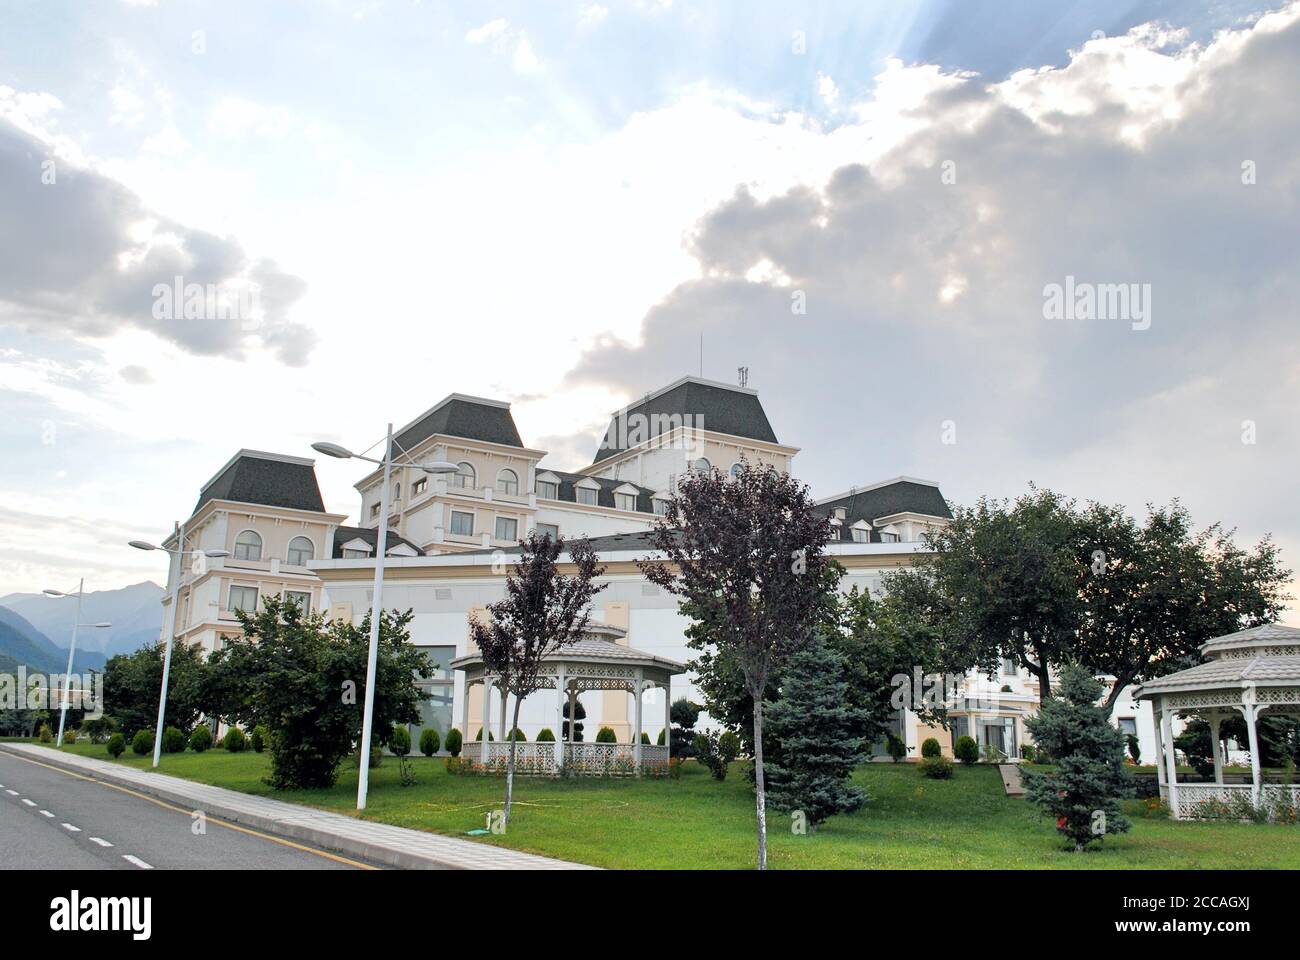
{"x":684,"y":715}
{"x":304,"y":680}
{"x":543,"y":612}
{"x":745,"y":553}
{"x":1154,"y":593}
{"x":820,"y":730}
{"x":1089,"y":779}
{"x":580,"y":714}
{"x":133,"y":681}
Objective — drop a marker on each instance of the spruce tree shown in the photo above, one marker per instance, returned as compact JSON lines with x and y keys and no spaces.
{"x":1089,"y":779}
{"x":821,"y":735}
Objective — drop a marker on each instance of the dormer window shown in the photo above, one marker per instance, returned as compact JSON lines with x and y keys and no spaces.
{"x":248,"y":546}
{"x":547,"y":490}
{"x":508,"y":482}
{"x":350,"y":553}
{"x":861,"y":533}
{"x":588,"y":495}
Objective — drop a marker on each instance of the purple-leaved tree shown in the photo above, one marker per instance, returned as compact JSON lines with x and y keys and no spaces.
{"x":745,"y":554}
{"x":543,"y":612}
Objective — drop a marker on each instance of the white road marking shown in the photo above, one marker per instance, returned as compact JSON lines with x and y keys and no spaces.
{"x":137,"y":861}
{"x":68,"y":826}
{"x":28,"y":803}
{"x":46,"y":813}
{"x":12,"y":793}
{"x":102,"y":843}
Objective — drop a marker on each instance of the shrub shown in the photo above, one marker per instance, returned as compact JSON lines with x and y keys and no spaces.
{"x":99,"y":729}
{"x":660,"y":741}
{"x":399,"y":741}
{"x":236,"y":742}
{"x":728,"y":746}
{"x":201,"y":738}
{"x":453,"y":742}
{"x":1135,"y":750}
{"x":116,"y":745}
{"x":70,"y":735}
{"x":43,"y":734}
{"x":545,"y":735}
{"x":606,"y":735}
{"x":895,"y":746}
{"x":142,"y":742}
{"x":517,"y":735}
{"x":430,"y":743}
{"x":966,"y":750}
{"x":479,"y":735}
{"x":173,"y":740}
{"x":716,"y":751}
{"x":645,"y":737}
{"x":937,"y":768}
{"x":258,"y":738}
{"x":1027,"y":752}
{"x":931,"y":748}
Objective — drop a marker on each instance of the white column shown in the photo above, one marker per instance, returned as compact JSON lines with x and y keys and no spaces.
{"x":487,"y":716}
{"x":560,"y":683}
{"x":636,"y":726}
{"x":464,"y":708}
{"x":1252,"y":712}
{"x":1156,"y":717}
{"x":505,"y":703}
{"x":1215,"y":720}
{"x":668,"y":719}
{"x":573,"y":715}
{"x":1171,"y":761}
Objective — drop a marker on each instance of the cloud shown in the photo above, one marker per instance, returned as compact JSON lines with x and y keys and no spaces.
{"x":135,"y":374}
{"x":924,"y":269}
{"x":506,"y":40}
{"x":81,"y":255}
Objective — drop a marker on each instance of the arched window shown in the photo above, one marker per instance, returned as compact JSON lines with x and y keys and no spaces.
{"x":301,"y":551}
{"x":736,"y":468}
{"x":248,"y":546}
{"x":701,"y":465}
{"x":508,"y":482}
{"x":464,"y":476}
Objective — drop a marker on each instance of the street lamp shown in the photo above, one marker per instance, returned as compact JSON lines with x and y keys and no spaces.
{"x":175,"y":578}
{"x":437,"y":467}
{"x":72,"y":649}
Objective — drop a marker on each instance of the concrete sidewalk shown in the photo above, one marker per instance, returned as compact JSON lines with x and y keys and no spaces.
{"x":375,"y":842}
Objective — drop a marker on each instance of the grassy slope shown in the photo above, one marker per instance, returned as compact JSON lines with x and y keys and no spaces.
{"x":911,"y":822}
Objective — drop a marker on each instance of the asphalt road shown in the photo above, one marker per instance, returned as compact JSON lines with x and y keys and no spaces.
{"x":53,"y":819}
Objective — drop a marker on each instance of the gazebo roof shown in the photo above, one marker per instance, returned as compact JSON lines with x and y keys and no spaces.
{"x":1268,"y":655}
{"x":597,"y":646}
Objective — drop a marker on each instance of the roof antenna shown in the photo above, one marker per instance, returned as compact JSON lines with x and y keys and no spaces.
{"x":743,"y":375}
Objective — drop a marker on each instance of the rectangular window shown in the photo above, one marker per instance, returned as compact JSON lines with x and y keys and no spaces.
{"x":661,"y":506}
{"x":462,"y":524}
{"x":419,"y":486}
{"x":507,"y":528}
{"x":547,"y":490}
{"x":587,"y":495}
{"x":243,"y":598}
{"x":889,"y":538}
{"x":355,"y":554}
{"x":548,"y":530}
{"x":625,"y":501}
{"x":1008,"y":667}
{"x":300,"y":597}
{"x":861,"y":535}
{"x":1128,"y":726}
{"x":374,"y":510}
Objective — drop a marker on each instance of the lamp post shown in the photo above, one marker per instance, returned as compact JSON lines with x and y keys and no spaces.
{"x":72,"y":650}
{"x":175,"y":577}
{"x":437,"y":467}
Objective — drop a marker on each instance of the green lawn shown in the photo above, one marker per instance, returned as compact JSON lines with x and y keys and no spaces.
{"x":696,"y":822}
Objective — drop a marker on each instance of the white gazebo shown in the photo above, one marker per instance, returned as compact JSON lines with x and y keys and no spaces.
{"x":1251,"y":672}
{"x":596,"y":662}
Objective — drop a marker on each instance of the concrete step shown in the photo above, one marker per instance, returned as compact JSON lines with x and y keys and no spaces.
{"x":1011,"y":779}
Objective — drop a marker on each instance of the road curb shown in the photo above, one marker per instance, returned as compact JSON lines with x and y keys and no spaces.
{"x":383,"y":854}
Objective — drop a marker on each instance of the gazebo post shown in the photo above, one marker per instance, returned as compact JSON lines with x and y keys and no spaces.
{"x":1171,"y":759}
{"x":1156,"y":716}
{"x":668,"y":719}
{"x":1251,"y":710}
{"x":636,"y":730}
{"x":505,"y":703}
{"x":560,"y":684}
{"x":487,"y":717}
{"x":573,"y":714}
{"x":1215,"y":720}
{"x":464,"y":724}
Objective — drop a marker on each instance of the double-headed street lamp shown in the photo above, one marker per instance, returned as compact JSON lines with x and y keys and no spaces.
{"x":437,"y":467}
{"x":175,"y":577}
{"x":72,"y":649}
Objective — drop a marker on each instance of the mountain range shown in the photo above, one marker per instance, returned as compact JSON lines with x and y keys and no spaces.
{"x":35,"y":629}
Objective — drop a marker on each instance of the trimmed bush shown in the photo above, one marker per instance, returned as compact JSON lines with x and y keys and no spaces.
{"x":931,"y":748}
{"x":728,"y":746}
{"x":606,"y":735}
{"x":545,"y":735}
{"x":70,"y":735}
{"x":44,"y":733}
{"x":142,"y":742}
{"x":660,"y":741}
{"x":645,"y":737}
{"x":479,"y":735}
{"x":516,"y":734}
{"x":258,"y":739}
{"x":453,"y":743}
{"x":201,"y":738}
{"x":173,"y":740}
{"x":399,"y":742}
{"x":430,"y":743}
{"x":116,"y":745}
{"x":937,"y":768}
{"x":99,"y":729}
{"x":895,"y":746}
{"x":966,"y":750}
{"x":236,"y":742}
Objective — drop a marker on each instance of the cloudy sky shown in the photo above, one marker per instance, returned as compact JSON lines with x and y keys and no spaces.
{"x":551,"y":203}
